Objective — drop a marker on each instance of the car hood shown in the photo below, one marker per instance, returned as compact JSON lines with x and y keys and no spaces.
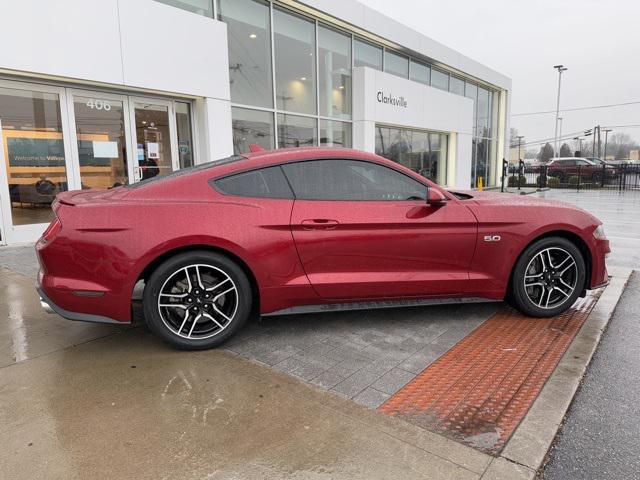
{"x":479,"y":200}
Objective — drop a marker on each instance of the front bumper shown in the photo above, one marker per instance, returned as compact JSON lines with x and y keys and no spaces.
{"x":51,"y":307}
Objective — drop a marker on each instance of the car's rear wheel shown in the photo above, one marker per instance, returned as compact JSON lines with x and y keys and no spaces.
{"x":197,"y":300}
{"x":548,"y":277}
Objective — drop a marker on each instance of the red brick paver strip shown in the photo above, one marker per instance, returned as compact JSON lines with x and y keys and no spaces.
{"x":480,"y":390}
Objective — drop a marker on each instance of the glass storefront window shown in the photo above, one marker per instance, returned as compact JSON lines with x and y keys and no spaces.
{"x":295,"y":63}
{"x":201,"y":7}
{"x":420,"y":72}
{"x":396,"y":64}
{"x":295,"y":131}
{"x":335,"y":134}
{"x":249,"y":38}
{"x":439,"y":79}
{"x":456,"y":85}
{"x":251,"y":127}
{"x":334,"y":60}
{"x":366,"y":54}
{"x":482,"y":128}
{"x":471,"y":91}
{"x":185,"y":135}
{"x":421,"y":151}
{"x":34,"y":153}
{"x":480,"y":164}
{"x":102,"y":149}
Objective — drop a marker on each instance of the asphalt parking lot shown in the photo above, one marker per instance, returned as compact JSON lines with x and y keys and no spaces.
{"x":289,"y":397}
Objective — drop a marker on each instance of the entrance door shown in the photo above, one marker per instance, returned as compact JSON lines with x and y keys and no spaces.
{"x":154,"y":138}
{"x":33,"y":153}
{"x":101,"y":143}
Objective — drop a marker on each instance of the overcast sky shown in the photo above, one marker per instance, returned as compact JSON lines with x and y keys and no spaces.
{"x":599,"y":41}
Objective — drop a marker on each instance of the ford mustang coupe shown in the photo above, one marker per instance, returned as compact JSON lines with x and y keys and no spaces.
{"x":302,"y":230}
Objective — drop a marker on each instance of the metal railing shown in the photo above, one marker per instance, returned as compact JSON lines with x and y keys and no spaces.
{"x":611,"y":177}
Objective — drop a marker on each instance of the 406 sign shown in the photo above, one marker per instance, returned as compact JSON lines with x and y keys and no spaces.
{"x":98,"y":104}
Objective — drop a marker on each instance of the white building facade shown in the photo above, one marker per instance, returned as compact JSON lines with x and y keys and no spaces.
{"x":97,"y":93}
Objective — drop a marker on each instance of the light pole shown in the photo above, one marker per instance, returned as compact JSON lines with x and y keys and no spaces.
{"x":606,"y":133}
{"x":560,"y":68}
{"x":559,"y":135}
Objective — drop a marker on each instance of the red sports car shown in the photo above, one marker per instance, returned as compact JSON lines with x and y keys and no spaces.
{"x":302,"y":230}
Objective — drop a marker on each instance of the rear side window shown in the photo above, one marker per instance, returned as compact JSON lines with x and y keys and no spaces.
{"x":263,"y":183}
{"x":351,"y":180}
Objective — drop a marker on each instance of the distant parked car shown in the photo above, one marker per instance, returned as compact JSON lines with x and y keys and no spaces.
{"x":586,"y":169}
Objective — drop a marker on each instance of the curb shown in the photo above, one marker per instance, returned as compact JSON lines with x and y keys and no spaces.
{"x":526,"y":450}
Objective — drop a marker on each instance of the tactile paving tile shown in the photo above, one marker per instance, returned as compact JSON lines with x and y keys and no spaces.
{"x":480,"y":390}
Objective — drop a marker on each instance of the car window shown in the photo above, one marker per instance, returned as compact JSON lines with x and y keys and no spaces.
{"x":263,"y":183}
{"x":566,"y":163}
{"x":356,"y":180}
{"x":582,"y":162}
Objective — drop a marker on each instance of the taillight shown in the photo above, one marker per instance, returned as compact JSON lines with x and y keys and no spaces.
{"x":52,"y":230}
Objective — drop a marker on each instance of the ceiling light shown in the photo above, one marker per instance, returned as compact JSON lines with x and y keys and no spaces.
{"x":341,"y":87}
{"x":303,"y":79}
{"x":253,"y":35}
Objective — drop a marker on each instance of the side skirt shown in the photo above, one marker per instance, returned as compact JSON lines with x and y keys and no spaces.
{"x":341,"y":307}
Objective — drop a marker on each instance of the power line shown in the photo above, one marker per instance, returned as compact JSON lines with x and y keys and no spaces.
{"x":567,"y":136}
{"x":593,"y":107}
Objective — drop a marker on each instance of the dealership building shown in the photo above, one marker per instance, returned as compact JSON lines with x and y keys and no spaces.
{"x":97,"y":93}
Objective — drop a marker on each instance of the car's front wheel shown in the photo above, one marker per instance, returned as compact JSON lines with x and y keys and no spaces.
{"x":197,"y":300}
{"x":548,"y":277}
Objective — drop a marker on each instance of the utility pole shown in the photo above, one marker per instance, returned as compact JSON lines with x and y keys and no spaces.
{"x":519,"y":137}
{"x":588,"y":133}
{"x":599,"y":144}
{"x":606,"y":134}
{"x":560,"y":68}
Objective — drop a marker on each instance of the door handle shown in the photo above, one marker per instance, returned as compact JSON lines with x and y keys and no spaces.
{"x":319,"y":224}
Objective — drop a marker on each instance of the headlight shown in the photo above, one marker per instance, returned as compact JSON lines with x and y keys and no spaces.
{"x":599,"y":233}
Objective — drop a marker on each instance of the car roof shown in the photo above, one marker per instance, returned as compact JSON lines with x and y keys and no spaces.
{"x":285,"y":155}
{"x":572,"y":158}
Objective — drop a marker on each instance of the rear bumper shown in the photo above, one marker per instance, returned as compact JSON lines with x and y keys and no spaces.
{"x":50,"y":307}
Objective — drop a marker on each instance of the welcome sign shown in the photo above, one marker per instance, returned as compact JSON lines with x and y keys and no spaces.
{"x":35,"y":152}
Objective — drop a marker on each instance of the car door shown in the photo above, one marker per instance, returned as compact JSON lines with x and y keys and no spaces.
{"x":364,"y":230}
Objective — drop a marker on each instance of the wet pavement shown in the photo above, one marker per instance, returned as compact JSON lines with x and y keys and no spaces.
{"x":599,"y":439}
{"x":620,"y":214}
{"x":85,"y":401}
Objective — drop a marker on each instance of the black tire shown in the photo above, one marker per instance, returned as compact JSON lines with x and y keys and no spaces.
{"x":520,"y":296}
{"x":172,"y":273}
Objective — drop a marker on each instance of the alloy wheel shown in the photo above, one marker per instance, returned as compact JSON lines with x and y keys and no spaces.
{"x":550,"y":277}
{"x":198,"y":301}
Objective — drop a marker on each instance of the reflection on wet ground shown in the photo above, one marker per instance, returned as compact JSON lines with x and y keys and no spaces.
{"x":88,"y":401}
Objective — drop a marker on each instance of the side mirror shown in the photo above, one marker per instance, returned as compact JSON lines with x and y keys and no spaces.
{"x":435,"y":198}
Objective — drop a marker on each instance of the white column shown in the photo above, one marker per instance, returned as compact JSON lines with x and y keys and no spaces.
{"x":215,"y":133}
{"x":364,"y":135}
{"x":464,"y":151}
